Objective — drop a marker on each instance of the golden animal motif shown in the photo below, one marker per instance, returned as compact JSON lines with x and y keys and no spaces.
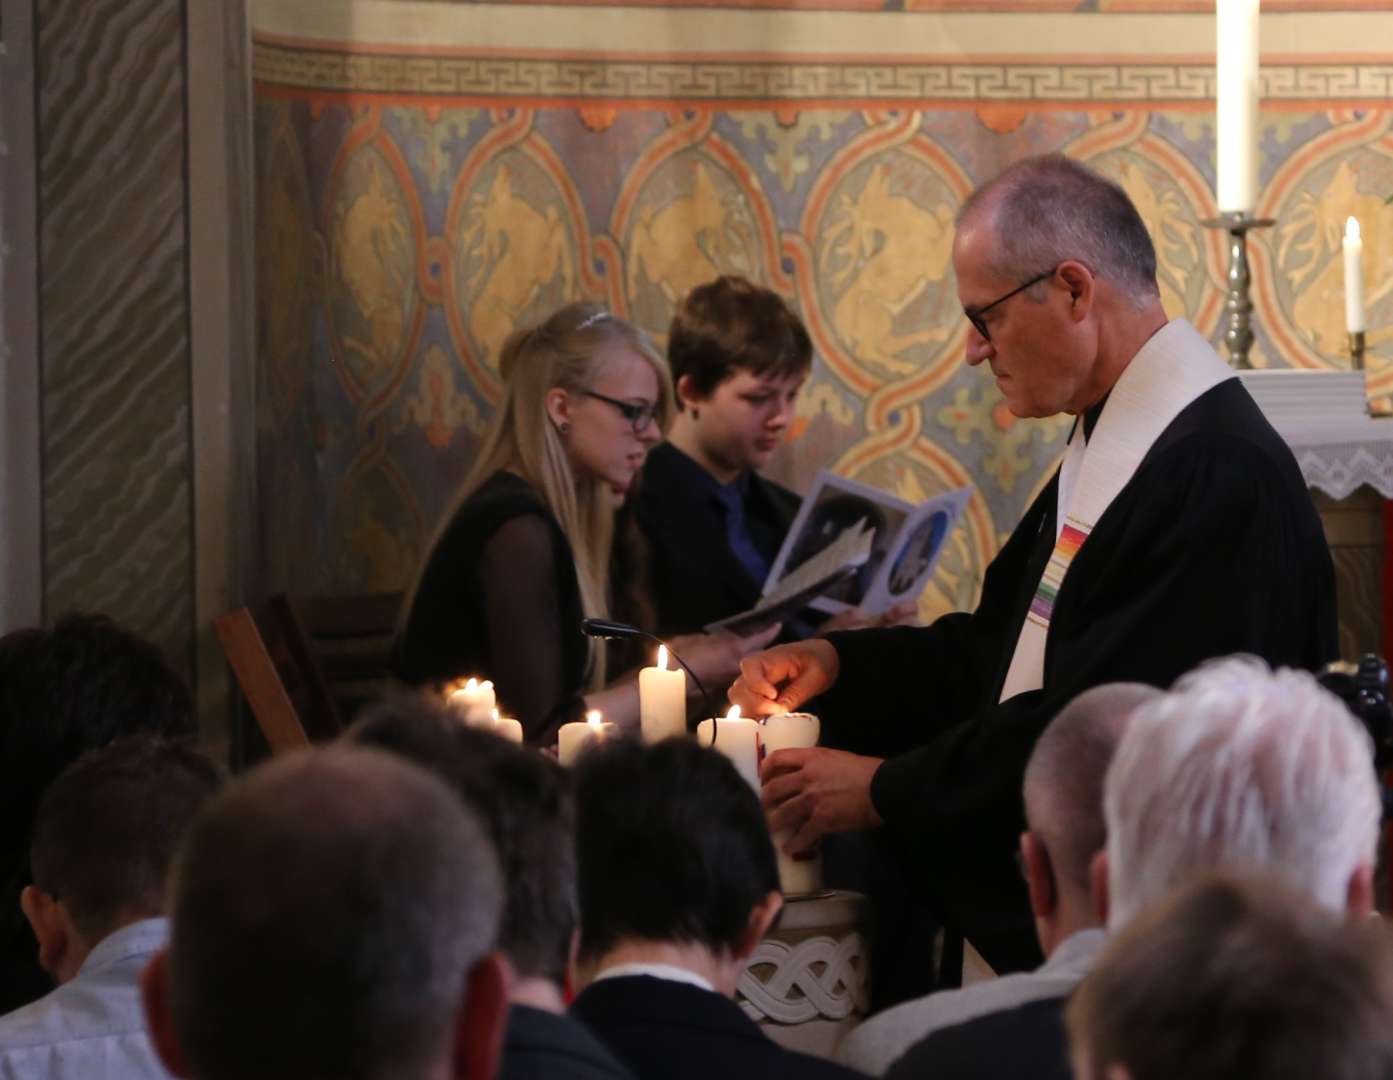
{"x":690,"y":241}
{"x":516,"y":249}
{"x":372,"y":255}
{"x":1312,"y":239}
{"x":890,"y":250}
{"x":1175,"y":237}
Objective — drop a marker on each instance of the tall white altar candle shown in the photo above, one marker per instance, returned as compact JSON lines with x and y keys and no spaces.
{"x":507,"y":727}
{"x":786,"y":731}
{"x":571,"y":739}
{"x":662,"y":700}
{"x":474,"y":703}
{"x":1236,"y":93}
{"x":737,"y":738}
{"x":1354,"y":277}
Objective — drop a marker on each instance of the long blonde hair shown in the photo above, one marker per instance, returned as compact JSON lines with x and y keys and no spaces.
{"x":567,"y":351}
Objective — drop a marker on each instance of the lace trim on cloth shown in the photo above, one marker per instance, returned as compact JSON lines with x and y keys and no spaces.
{"x":1339,"y":469}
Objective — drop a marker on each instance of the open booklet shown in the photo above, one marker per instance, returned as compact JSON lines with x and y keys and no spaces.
{"x":852,"y":545}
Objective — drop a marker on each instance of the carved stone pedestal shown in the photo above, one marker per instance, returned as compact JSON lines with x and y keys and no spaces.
{"x":806,"y":983}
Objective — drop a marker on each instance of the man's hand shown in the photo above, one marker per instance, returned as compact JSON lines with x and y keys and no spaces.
{"x":817,"y":791}
{"x":782,"y":678}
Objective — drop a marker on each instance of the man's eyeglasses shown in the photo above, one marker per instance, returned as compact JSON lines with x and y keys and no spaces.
{"x":974,"y":315}
{"x":640,"y":416}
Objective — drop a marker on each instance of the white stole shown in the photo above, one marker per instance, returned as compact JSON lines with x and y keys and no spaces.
{"x":1172,"y":369}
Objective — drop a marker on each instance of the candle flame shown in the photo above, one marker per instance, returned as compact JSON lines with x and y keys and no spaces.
{"x":495,"y":715}
{"x":472,"y":684}
{"x":734,"y":713}
{"x":487,"y":684}
{"x":593,"y":717}
{"x":662,"y":657}
{"x":1351,"y":228}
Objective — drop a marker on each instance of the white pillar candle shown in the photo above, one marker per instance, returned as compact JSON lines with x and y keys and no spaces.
{"x":662,"y":700}
{"x":506,"y":727}
{"x":474,"y":703}
{"x":801,"y":873}
{"x":737,"y":738}
{"x":1354,"y":277}
{"x":1236,"y":93}
{"x":571,"y":739}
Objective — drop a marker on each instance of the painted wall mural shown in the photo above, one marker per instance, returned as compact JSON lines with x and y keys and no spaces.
{"x":418,"y":204}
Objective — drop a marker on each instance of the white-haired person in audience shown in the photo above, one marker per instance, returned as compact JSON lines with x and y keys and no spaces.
{"x":1063,"y":795}
{"x":1237,"y":978}
{"x":334,"y":916}
{"x":1242,"y":767}
{"x":1236,"y":768}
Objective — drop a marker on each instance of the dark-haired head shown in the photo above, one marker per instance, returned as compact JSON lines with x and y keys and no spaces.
{"x":334,"y":912}
{"x":76,"y":686}
{"x":104,"y":838}
{"x":79,"y":685}
{"x":673,"y":848}
{"x":731,"y":325}
{"x":522,"y":797}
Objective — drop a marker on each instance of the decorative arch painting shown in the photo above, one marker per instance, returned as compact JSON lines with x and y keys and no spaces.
{"x":432,"y":175}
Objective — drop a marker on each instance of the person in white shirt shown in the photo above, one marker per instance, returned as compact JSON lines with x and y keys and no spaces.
{"x":1063,"y":794}
{"x":106,"y":832}
{"x":1236,"y":769}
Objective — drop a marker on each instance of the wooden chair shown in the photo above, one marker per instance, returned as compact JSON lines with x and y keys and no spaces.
{"x":305,"y":664}
{"x":261,"y":683}
{"x":347,"y":645}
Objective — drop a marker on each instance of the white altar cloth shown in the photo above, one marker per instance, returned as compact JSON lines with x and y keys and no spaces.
{"x":1324,"y":418}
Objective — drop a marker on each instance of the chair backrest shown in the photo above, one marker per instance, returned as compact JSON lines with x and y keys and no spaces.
{"x":260,"y":680}
{"x":348,"y":641}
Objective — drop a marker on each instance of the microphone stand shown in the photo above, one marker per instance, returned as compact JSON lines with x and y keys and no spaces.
{"x":608,"y":628}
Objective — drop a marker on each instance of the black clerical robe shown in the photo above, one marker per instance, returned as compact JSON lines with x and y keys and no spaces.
{"x":1212,"y":548}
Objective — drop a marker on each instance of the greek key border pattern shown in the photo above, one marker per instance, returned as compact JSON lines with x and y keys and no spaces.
{"x":714,"y":80}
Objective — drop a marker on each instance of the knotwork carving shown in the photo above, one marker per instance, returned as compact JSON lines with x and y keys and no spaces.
{"x":819,"y":978}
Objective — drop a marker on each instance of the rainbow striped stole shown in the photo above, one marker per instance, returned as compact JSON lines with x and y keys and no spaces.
{"x":1169,"y":372}
{"x":1071,"y":538}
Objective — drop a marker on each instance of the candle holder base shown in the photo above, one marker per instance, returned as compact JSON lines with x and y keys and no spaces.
{"x":1356,"y":350}
{"x":1238,"y":306}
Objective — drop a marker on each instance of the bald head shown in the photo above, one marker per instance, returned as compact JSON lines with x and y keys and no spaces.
{"x":1064,"y":777}
{"x":1044,"y":210}
{"x":328,"y":909}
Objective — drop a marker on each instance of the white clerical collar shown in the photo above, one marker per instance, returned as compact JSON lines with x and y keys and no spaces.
{"x":670,"y":972}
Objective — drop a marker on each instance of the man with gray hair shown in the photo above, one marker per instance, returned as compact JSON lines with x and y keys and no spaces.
{"x":1236,"y":769}
{"x":1064,"y":831}
{"x":333,"y":916}
{"x":1177,"y":529}
{"x":1241,"y":768}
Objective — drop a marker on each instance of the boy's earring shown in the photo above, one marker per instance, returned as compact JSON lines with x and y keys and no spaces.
{"x":564,"y":427}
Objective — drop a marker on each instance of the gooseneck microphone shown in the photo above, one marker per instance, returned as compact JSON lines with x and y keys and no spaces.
{"x":608,"y":628}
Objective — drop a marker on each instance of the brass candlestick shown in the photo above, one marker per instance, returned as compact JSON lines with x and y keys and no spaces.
{"x":1356,"y":350}
{"x":1238,"y":307}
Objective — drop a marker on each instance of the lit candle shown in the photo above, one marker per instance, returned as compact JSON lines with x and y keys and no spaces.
{"x":507,"y":728}
{"x":800,"y":873}
{"x":1354,"y":277}
{"x":1236,"y":93}
{"x":662,"y":700}
{"x":573,"y":738}
{"x":737,"y":738}
{"x":474,"y":703}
